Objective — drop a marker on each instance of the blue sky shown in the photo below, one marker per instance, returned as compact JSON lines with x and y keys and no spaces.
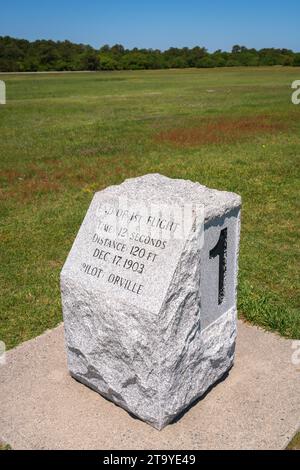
{"x":157,"y":24}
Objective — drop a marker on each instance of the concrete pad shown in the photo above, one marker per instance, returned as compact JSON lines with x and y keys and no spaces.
{"x":256,"y":407}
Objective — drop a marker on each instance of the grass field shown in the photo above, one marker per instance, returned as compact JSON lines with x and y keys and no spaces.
{"x":63,"y":137}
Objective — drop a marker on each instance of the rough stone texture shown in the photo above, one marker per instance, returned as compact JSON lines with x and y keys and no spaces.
{"x":156,"y":353}
{"x":256,"y":407}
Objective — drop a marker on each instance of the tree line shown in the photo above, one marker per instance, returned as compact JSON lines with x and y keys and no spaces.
{"x":20,"y":55}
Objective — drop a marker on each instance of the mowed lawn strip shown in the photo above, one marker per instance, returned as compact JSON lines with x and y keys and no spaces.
{"x":65,"y":136}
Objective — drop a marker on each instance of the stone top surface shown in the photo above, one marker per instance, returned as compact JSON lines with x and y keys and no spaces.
{"x":157,"y":188}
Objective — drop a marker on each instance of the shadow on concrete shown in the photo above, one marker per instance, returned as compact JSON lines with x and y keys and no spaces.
{"x":199,"y":399}
{"x":178,"y":417}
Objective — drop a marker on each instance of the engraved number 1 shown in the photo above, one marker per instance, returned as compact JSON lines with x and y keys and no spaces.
{"x":221,"y":250}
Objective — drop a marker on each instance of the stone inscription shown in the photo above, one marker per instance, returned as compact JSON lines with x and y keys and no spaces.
{"x":126,"y":249}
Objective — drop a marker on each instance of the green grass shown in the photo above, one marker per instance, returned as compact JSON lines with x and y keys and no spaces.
{"x":65,"y":136}
{"x":5,"y":446}
{"x":295,"y":443}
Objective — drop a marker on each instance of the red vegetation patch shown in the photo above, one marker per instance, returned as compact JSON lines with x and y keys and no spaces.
{"x":35,"y":181}
{"x":10,"y":176}
{"x":26,"y":186}
{"x":220,"y":131}
{"x":27,"y":189}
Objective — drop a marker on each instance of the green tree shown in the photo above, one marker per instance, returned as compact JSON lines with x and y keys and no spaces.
{"x":108,"y":63}
{"x":91,"y":61}
{"x":42,"y":55}
{"x":206,"y":62}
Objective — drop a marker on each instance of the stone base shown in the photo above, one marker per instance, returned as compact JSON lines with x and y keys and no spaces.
{"x":256,"y":407}
{"x":205,"y":364}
